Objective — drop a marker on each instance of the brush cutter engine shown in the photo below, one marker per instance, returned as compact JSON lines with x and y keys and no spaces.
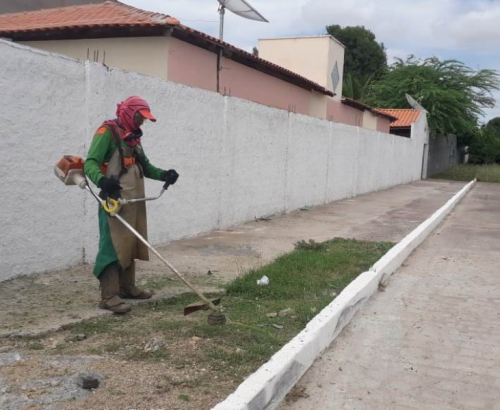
{"x":70,"y":171}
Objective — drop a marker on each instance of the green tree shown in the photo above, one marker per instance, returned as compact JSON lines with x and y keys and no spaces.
{"x":365,"y":59}
{"x":485,"y":147}
{"x":356,"y":86}
{"x":454,"y":94}
{"x":494,"y":125}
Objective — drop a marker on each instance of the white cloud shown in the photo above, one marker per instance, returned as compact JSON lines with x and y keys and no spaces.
{"x":478,"y":28}
{"x":461,"y":29}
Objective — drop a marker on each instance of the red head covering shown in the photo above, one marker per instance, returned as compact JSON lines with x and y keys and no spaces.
{"x":125,"y":127}
{"x":126,"y":111}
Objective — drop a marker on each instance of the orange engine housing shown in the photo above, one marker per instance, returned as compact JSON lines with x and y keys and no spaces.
{"x":69,"y":162}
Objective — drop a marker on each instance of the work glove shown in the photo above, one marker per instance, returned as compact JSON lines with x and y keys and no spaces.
{"x":170,"y":177}
{"x":110,"y":188}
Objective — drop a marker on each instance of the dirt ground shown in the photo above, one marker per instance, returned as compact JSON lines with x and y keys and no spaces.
{"x":40,"y":359}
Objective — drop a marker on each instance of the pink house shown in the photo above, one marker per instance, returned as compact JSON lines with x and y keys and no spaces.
{"x":154,"y":44}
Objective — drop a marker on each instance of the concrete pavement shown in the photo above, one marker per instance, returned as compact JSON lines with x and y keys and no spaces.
{"x":431,"y":340}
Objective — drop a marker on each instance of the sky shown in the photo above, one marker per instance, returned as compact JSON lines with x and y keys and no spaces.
{"x":465,"y":30}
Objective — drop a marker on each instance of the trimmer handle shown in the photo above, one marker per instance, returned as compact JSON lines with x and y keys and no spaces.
{"x":167,"y":184}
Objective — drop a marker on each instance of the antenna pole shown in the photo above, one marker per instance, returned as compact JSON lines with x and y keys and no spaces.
{"x":222,"y":11}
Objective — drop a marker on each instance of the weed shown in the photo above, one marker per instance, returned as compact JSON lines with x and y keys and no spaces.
{"x":184,"y":397}
{"x":467,"y":172}
{"x":158,"y":283}
{"x":35,"y":345}
{"x":312,"y":245}
{"x":303,"y":282}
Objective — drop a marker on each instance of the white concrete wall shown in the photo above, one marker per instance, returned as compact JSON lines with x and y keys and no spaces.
{"x":237,"y":160}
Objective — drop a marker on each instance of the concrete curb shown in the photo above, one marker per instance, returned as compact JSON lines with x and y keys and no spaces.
{"x":268,"y":386}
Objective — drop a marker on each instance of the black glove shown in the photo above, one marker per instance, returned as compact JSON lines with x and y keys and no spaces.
{"x":170,"y":177}
{"x":110,"y":188}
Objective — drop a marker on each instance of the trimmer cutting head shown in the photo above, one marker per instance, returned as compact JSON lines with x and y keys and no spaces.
{"x":216,"y":319}
{"x":197,"y":306}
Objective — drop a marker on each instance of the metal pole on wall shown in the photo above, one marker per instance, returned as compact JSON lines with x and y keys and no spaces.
{"x":222,"y":11}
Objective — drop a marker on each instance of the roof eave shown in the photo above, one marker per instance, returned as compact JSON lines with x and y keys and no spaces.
{"x":362,"y":106}
{"x":84,"y":32}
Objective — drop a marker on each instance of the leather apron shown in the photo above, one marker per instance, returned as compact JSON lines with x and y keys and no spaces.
{"x":126,"y":244}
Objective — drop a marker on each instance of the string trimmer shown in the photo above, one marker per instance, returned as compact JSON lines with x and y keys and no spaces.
{"x":70,"y":171}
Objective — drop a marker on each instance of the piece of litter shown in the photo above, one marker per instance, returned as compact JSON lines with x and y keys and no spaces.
{"x":272,"y":314}
{"x":286,"y":312}
{"x":264,"y":281}
{"x":279,"y":327}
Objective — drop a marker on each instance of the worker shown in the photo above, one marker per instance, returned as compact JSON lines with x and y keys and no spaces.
{"x":117,"y":164}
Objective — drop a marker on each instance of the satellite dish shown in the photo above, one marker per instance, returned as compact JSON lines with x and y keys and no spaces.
{"x":415,"y":104}
{"x":240,"y":7}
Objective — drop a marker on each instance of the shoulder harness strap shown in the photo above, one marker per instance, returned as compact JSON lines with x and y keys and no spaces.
{"x":118,"y":142}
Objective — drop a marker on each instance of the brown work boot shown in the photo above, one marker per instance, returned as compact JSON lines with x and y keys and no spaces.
{"x":128,"y":290}
{"x":110,"y":287}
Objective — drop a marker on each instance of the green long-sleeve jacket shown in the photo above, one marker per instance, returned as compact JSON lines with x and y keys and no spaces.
{"x":101,"y":151}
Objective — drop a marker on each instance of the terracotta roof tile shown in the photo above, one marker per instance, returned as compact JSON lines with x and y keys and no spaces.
{"x":405,"y":117}
{"x":109,"y":14}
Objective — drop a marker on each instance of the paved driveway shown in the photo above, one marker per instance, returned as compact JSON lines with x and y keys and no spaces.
{"x":431,"y":340}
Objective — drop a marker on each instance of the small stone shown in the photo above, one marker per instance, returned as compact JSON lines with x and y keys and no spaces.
{"x":239,"y":351}
{"x":333,"y":294}
{"x":272,"y":314}
{"x":154,"y":345}
{"x":313,"y":309}
{"x":5,"y":390}
{"x":81,"y":337}
{"x":279,"y":327}
{"x":209,"y":272}
{"x":55,"y":383}
{"x":87,"y":381}
{"x":286,"y":312}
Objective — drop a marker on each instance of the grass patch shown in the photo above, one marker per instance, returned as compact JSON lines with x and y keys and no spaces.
{"x":467,"y":172}
{"x":261,"y":319}
{"x":184,"y":397}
